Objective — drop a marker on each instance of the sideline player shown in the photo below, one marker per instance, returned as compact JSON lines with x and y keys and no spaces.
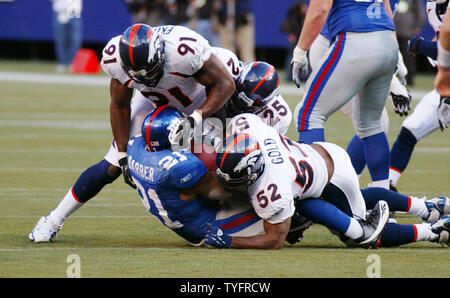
{"x":442,"y":82}
{"x":92,"y":180}
{"x":400,"y":96}
{"x":361,"y":60}
{"x":278,"y":174}
{"x":431,"y":112}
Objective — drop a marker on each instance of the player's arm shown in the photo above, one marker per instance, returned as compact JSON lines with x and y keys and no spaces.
{"x":442,"y":81}
{"x":274,"y":237}
{"x":207,"y":187}
{"x":315,"y":18}
{"x":387,"y":6}
{"x":216,"y":78}
{"x":120,"y":111}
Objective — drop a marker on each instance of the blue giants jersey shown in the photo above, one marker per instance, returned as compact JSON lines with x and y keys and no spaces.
{"x":159,"y":177}
{"x":326,"y":32}
{"x":358,"y":16}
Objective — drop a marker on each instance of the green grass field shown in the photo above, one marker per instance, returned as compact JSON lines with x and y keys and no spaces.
{"x":51,"y":132}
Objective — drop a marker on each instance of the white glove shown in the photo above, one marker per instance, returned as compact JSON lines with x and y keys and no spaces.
{"x":401,"y":98}
{"x":442,"y":112}
{"x":300,"y":66}
{"x":402,"y":71}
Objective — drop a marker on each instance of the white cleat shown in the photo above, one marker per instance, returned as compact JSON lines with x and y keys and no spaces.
{"x":44,"y":231}
{"x":437,"y":207}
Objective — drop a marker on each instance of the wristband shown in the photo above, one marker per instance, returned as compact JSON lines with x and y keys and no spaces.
{"x":121,"y":155}
{"x":197,"y":116}
{"x":298,"y":54}
{"x":443,"y":57}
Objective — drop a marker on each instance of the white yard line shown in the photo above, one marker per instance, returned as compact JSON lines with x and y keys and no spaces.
{"x":58,"y":124}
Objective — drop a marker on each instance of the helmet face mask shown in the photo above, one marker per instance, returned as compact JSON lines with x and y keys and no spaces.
{"x":256,"y":86}
{"x":142,"y":55}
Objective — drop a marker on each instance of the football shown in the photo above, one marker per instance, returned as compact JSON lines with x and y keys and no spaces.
{"x":206,"y":154}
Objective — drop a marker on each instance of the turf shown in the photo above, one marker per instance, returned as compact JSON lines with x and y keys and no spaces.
{"x":51,"y":132}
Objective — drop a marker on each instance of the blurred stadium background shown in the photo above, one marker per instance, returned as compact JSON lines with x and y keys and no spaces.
{"x":53,"y":126}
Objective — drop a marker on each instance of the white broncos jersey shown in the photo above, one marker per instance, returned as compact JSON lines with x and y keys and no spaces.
{"x":434,"y":17}
{"x":186,"y":52}
{"x":291,"y":170}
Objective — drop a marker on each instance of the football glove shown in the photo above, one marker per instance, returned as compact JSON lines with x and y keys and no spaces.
{"x":442,"y":112}
{"x":413,"y":45}
{"x":298,"y":225}
{"x":300,"y":66}
{"x":182,"y":130}
{"x":216,"y":237}
{"x":401,"y":71}
{"x":126,"y":172}
{"x":401,"y":97}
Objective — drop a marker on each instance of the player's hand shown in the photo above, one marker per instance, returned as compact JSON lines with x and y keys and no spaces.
{"x":216,"y":237}
{"x":401,"y":97}
{"x":300,"y":66}
{"x":442,"y":81}
{"x":442,"y":111}
{"x":126,"y":172}
{"x":299,"y":224}
{"x":181,"y":133}
{"x":401,"y":71}
{"x":413,"y":45}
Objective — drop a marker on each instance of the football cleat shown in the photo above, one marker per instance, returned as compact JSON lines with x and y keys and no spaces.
{"x":373,"y":225}
{"x":44,"y":231}
{"x":437,"y":208}
{"x":442,"y":228}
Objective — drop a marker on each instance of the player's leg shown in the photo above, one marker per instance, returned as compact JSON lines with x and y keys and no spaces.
{"x":429,"y":210}
{"x":325,"y":94}
{"x":381,"y":49}
{"x":342,"y":208}
{"x":91,"y":181}
{"x":355,"y":147}
{"x":422,"y":122}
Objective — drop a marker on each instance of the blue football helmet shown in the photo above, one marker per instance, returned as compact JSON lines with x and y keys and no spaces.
{"x":142,"y":53}
{"x":155,"y":129}
{"x":256,"y":85}
{"x":240,"y":163}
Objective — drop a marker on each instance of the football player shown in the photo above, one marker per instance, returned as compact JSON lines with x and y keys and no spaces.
{"x":362,"y":59}
{"x":442,"y":82}
{"x":431,"y":112}
{"x":401,"y":98}
{"x":278,"y":174}
{"x":167,"y":65}
{"x":176,"y":187}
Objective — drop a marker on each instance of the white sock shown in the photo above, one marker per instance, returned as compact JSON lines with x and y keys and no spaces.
{"x":424,"y":232}
{"x":394,"y":175}
{"x":417,"y":207}
{"x":381,"y":183}
{"x":68,"y":205}
{"x":355,"y":230}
